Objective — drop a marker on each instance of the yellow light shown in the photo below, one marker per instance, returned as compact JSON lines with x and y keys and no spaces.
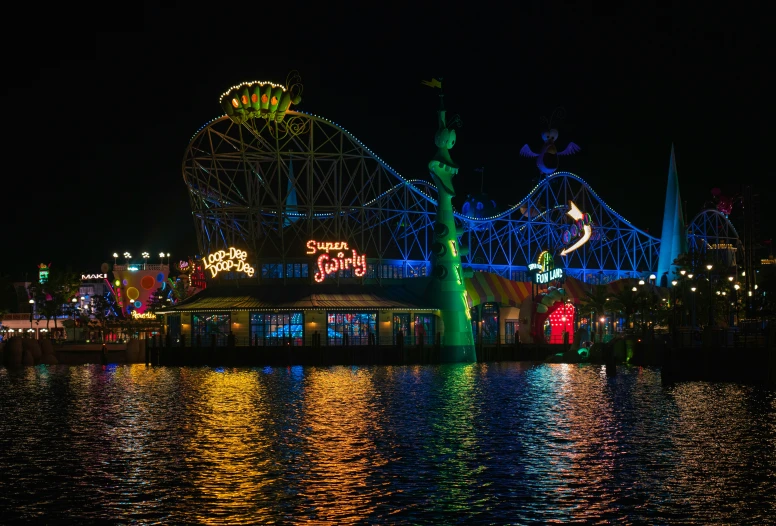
{"x":144,"y":316}
{"x":229,"y":260}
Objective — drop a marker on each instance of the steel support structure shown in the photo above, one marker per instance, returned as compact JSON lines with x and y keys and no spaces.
{"x":270,"y":188}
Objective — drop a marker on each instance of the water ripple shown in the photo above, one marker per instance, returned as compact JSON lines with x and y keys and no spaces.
{"x":455,"y":444}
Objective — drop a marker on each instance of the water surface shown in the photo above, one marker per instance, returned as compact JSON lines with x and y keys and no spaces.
{"x":487,"y":443}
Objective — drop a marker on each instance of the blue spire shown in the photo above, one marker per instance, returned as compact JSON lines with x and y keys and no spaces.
{"x":673,"y":240}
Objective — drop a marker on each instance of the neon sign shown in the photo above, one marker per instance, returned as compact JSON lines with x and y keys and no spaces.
{"x":541,"y":278}
{"x":534,"y":266}
{"x":144,"y":316}
{"x":93,"y":276}
{"x":546,"y":261}
{"x":232,"y":260}
{"x":329,"y":265}
{"x":43,"y":272}
{"x":582,"y":222}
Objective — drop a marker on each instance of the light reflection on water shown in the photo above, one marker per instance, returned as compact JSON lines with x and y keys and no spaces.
{"x":490,"y":443}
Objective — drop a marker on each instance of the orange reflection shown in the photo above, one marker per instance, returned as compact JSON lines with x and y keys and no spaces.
{"x":227,"y":449}
{"x":343,"y":416}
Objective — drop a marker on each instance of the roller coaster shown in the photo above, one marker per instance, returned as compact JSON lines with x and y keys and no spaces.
{"x":270,"y":187}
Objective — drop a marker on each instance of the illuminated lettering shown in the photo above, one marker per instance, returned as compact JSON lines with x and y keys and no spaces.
{"x":534,"y":266}
{"x":314,"y":246}
{"x":94,"y":276}
{"x":231,"y":260}
{"x":144,"y":316}
{"x":329,"y":265}
{"x":578,"y":217}
{"x":541,"y":278}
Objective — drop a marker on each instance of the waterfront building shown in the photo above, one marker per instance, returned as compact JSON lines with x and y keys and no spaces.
{"x":309,"y":237}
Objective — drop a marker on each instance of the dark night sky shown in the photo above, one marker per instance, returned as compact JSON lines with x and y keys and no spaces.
{"x":97,"y":123}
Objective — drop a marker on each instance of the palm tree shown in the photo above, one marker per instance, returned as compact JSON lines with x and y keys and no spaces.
{"x":627,"y":302}
{"x":595,"y":302}
{"x":49,"y":297}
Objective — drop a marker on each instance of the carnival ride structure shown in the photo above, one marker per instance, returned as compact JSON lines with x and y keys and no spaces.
{"x":270,"y":185}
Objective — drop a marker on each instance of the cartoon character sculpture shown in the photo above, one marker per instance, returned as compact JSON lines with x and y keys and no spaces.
{"x":547,"y":158}
{"x":447,"y":288}
{"x":479,"y":206}
{"x":723,"y":203}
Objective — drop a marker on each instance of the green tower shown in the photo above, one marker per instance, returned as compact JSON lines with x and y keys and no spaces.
{"x":447,"y":289}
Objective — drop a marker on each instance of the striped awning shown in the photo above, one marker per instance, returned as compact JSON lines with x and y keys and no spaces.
{"x":575,"y":289}
{"x":485,"y":287}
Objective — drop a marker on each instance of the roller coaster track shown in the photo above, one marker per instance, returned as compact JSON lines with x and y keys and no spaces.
{"x":271,"y":190}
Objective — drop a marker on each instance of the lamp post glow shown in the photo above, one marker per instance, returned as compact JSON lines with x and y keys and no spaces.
{"x":161,"y":258}
{"x":711,"y":298}
{"x":75,"y":300}
{"x":115,"y":257}
{"x":673,"y":302}
{"x":127,"y":255}
{"x":145,"y":255}
{"x":32,"y":311}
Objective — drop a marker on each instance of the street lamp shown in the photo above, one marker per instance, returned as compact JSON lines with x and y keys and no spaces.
{"x":127,"y":255}
{"x":145,"y":255}
{"x":115,"y":257}
{"x":161,"y":258}
{"x":32,"y":311}
{"x":75,"y":300}
{"x":711,"y":299}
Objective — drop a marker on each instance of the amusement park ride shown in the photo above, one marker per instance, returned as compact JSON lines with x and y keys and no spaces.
{"x":267,"y":178}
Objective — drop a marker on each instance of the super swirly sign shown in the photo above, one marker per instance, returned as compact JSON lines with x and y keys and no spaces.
{"x":335,"y":257}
